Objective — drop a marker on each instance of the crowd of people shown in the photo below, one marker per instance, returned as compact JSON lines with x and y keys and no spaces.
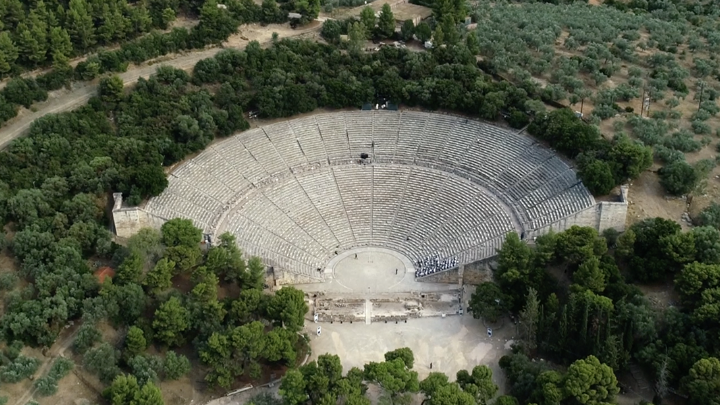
{"x":433,"y":264}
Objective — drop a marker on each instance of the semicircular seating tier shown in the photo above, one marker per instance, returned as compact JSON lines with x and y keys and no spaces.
{"x":297,"y":192}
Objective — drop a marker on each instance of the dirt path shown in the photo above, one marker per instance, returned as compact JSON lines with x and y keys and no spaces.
{"x":80,"y":92}
{"x":57,"y":350}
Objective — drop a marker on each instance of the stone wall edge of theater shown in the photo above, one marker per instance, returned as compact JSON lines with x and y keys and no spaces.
{"x":283,"y":278}
{"x":601,"y":216}
{"x":128,"y":221}
{"x":478,"y":272}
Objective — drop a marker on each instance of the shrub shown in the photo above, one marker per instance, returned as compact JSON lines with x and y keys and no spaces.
{"x":21,"y":368}
{"x":710,"y":106}
{"x":145,"y":368}
{"x":517,"y":119}
{"x":700,"y":115}
{"x":87,"y":336}
{"x":659,"y":115}
{"x":678,"y":177}
{"x":46,"y":386}
{"x":629,"y":109}
{"x":700,"y":127}
{"x":667,"y":155}
{"x":710,"y":216}
{"x":8,"y":281}
{"x":23,"y":92}
{"x":682,"y":141}
{"x":102,"y":361}
{"x":13,"y":350}
{"x":604,"y":111}
{"x":611,"y":236}
{"x":674,"y":115}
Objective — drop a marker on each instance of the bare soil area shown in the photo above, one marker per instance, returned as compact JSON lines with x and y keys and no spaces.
{"x":402,"y":10}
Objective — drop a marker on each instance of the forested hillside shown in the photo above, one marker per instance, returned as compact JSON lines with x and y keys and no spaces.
{"x":593,"y":306}
{"x":113,"y":34}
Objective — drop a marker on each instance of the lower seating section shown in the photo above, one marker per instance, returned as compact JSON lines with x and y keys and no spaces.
{"x":297,"y":193}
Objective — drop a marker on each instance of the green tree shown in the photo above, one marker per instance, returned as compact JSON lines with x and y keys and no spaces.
{"x":478,"y":383}
{"x":254,"y":277}
{"x":31,"y":49}
{"x":450,"y":30}
{"x":488,"y":302}
{"x":288,"y":308}
{"x":529,"y":318}
{"x":367,"y":18}
{"x":703,"y":382}
{"x":160,"y":277}
{"x":171,"y":320}
{"x":184,"y":257}
{"x":506,"y":400}
{"x":122,"y":391}
{"x":589,"y":275}
{"x":147,"y":242}
{"x":247,"y":306}
{"x":102,"y":361}
{"x":180,"y":232}
{"x":696,"y":284}
{"x":590,"y":382}
{"x":8,"y":52}
{"x":649,"y":255}
{"x":60,"y":44}
{"x":579,"y":243}
{"x":175,"y":366}
{"x":404,"y":354}
{"x":79,"y":24}
{"x":271,"y":13}
{"x":145,"y":368}
{"x":423,"y":31}
{"x":407,"y":30}
{"x":18,"y":369}
{"x":710,"y":216}
{"x":514,"y":260}
{"x":707,"y":244}
{"x":87,"y":336}
{"x":111,"y":89}
{"x":134,"y":342}
{"x":629,"y":158}
{"x":679,"y":177}
{"x":438,"y":36}
{"x":149,"y":394}
{"x":596,"y":175}
{"x":131,"y":269}
{"x":394,"y":378}
{"x":386,"y":22}
{"x":331,"y":31}
{"x":450,"y":393}
{"x":168,"y":16}
{"x":473,"y":45}
{"x":292,"y":388}
{"x":226,"y":260}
